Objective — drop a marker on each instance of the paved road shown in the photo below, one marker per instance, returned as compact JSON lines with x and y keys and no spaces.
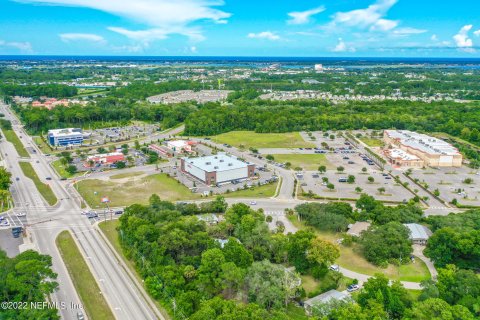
{"x":125,"y":296}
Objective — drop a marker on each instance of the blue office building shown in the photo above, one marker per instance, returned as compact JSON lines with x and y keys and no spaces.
{"x":65,"y":137}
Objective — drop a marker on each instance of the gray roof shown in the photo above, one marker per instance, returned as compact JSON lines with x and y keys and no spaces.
{"x":327,"y":297}
{"x":218,"y":162}
{"x":417,"y":231}
{"x":427,"y":144}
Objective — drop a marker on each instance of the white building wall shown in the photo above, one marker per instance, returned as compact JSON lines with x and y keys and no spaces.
{"x":228,"y":175}
{"x":194,"y":171}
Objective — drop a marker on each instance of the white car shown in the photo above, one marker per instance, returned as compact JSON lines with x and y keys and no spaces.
{"x":21,"y":214}
{"x":334,"y":267}
{"x":5,"y":223}
{"x":353,"y":287}
{"x":252,"y":203}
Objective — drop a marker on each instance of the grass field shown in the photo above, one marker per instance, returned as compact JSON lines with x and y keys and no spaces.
{"x":11,"y":136}
{"x":126,"y":175}
{"x":42,"y":145}
{"x":372,"y":142}
{"x":295,"y":312}
{"x":351,"y":259}
{"x":262,"y":140}
{"x":87,"y":288}
{"x":43,"y":188}
{"x":60,"y":169}
{"x":304,"y":161}
{"x":265,"y":191}
{"x":135,"y":190}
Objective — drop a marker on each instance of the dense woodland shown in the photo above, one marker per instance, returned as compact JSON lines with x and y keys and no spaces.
{"x":26,"y":278}
{"x":194,"y":276}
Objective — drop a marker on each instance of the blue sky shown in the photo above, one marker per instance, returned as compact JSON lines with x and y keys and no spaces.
{"x":420,"y":28}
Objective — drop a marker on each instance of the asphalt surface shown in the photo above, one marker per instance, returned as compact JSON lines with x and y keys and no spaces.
{"x":125,"y":296}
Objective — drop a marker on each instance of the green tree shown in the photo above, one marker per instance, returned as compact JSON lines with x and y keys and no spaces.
{"x":270,"y":285}
{"x":322,"y":252}
{"x":394,"y":298}
{"x":379,"y":244}
{"x":351,"y":179}
{"x":437,"y":309}
{"x":210,"y":271}
{"x":72,"y":169}
{"x":235,"y":252}
{"x":5,"y":179}
{"x":322,"y":169}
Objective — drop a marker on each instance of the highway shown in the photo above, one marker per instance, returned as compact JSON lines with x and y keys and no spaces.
{"x":126,"y":297}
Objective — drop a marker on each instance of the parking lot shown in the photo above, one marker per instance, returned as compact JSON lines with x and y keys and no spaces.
{"x":451,"y":183}
{"x":118,"y":134}
{"x":393,"y":191}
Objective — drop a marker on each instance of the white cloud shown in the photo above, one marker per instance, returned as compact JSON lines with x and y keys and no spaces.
{"x":162,"y":16}
{"x":68,"y":37}
{"x":477,"y":33}
{"x":434,"y":37}
{"x":24,"y":47}
{"x":193,"y":49}
{"x":364,"y":18}
{"x":343,"y":47}
{"x":384,"y":25}
{"x":407,"y":31}
{"x":264,"y":35}
{"x":302,"y":17}
{"x":462,"y":39}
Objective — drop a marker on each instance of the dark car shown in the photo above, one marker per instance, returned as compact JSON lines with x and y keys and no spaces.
{"x":119,"y":212}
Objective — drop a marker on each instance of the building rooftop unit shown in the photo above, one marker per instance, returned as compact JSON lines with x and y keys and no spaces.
{"x":422,"y":142}
{"x":399,"y":153}
{"x":218,"y":162}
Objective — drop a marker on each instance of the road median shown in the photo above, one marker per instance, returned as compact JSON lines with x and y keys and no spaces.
{"x":94,"y":304}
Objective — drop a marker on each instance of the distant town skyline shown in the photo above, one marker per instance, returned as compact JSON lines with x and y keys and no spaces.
{"x":344,"y":28}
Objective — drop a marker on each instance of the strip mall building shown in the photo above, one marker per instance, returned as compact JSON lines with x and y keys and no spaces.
{"x":420,"y":150}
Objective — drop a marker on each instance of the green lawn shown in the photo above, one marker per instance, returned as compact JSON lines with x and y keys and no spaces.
{"x":304,"y":161}
{"x":134,"y":190}
{"x":60,"y":169}
{"x":87,"y":288}
{"x":372,"y":142}
{"x":295,"y":312}
{"x":265,"y":191}
{"x":11,"y":136}
{"x":42,"y":145}
{"x":43,"y":188}
{"x":262,"y":140}
{"x":352,"y":259}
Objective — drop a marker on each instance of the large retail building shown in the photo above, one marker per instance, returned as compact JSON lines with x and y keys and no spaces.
{"x":217,"y":169}
{"x":431,"y":151}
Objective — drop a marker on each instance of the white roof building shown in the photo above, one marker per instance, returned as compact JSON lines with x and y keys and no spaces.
{"x":418,"y":234}
{"x":427,"y":144}
{"x":324,"y":298}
